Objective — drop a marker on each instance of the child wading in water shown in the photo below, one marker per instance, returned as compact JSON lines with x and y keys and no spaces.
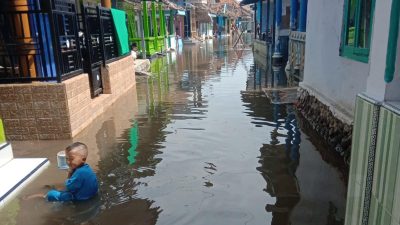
{"x":82,"y":181}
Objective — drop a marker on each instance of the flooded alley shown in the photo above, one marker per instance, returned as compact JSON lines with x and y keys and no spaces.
{"x":198,"y":142}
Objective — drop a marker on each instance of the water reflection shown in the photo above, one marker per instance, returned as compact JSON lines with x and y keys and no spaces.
{"x":280,"y":157}
{"x":199,"y":144}
{"x":134,"y":141}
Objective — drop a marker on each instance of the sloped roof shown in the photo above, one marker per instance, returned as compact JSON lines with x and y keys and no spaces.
{"x":172,"y":5}
{"x":233,"y":9}
{"x":137,"y":4}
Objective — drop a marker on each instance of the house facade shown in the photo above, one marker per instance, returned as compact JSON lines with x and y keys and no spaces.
{"x":352,"y":74}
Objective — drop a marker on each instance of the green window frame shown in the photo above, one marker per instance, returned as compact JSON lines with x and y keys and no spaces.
{"x":357,"y":29}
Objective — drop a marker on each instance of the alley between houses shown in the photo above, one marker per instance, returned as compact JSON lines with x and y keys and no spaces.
{"x":197,"y":142}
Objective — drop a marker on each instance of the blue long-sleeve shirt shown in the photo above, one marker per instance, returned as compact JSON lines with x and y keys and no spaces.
{"x":82,"y":185}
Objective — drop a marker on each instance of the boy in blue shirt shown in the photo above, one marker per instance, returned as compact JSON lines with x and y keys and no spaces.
{"x":82,"y":181}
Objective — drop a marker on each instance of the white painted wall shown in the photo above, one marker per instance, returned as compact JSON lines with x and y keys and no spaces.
{"x":336,"y":78}
{"x":377,"y":88}
{"x":376,"y":84}
{"x":392,"y":92}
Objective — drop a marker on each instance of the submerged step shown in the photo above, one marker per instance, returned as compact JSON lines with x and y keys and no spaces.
{"x":16,"y":174}
{"x":6,"y":153}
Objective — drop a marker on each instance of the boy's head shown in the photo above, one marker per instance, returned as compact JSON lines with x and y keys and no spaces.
{"x":76,"y":154}
{"x":134,"y":46}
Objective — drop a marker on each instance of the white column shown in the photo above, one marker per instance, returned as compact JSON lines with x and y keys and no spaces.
{"x":377,"y":88}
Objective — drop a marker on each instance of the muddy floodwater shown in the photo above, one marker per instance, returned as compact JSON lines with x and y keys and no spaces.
{"x":198,"y":142}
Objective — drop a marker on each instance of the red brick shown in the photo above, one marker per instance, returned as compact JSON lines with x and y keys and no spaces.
{"x":28,"y":122}
{"x":29,"y":137}
{"x":63,"y":136}
{"x":30,"y":113}
{"x":42,"y":129}
{"x":65,"y":129}
{"x":28,"y":97}
{"x":61,"y":96}
{"x":41,"y":105}
{"x":64,"y":113}
{"x":47,"y":136}
{"x":25,"y":105}
{"x":33,"y":130}
{"x":11,"y":97}
{"x":55,"y":88}
{"x":6,"y":89}
{"x":44,"y":121}
{"x":39,"y":89}
{"x":5,"y":114}
{"x":50,"y":113}
{"x":17,"y":114}
{"x":21,"y":130}
{"x":37,"y":113}
{"x":14,"y":137}
{"x":43,"y":96}
{"x":58,"y":105}
{"x":53,"y":129}
{"x":23,"y":89}
{"x":8,"y":106}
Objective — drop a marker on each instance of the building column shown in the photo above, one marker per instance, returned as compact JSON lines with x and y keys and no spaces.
{"x":255,"y":20}
{"x":268,"y":22}
{"x":260,"y":8}
{"x":384,"y":55}
{"x":154,"y":19}
{"x":303,"y":15}
{"x":277,"y":56}
{"x":187,"y":27}
{"x":163,"y":24}
{"x":171,"y":22}
{"x":293,"y":14}
{"x":146,"y":29}
{"x":162,"y":20}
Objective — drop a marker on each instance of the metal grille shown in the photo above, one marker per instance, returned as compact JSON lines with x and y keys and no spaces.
{"x":66,"y":31}
{"x":44,"y":41}
{"x":92,"y":35}
{"x":109,"y":40}
{"x":38,"y":41}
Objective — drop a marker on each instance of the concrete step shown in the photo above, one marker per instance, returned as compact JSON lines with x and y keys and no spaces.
{"x":16,"y":173}
{"x":6,"y":153}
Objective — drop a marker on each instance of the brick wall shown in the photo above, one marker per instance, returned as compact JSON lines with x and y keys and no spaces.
{"x":60,"y":111}
{"x":34,"y":111}
{"x":117,"y":76}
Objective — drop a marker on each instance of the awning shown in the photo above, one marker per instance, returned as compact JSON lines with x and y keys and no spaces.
{"x":181,"y":12}
{"x":247,"y":2}
{"x":119,"y":18}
